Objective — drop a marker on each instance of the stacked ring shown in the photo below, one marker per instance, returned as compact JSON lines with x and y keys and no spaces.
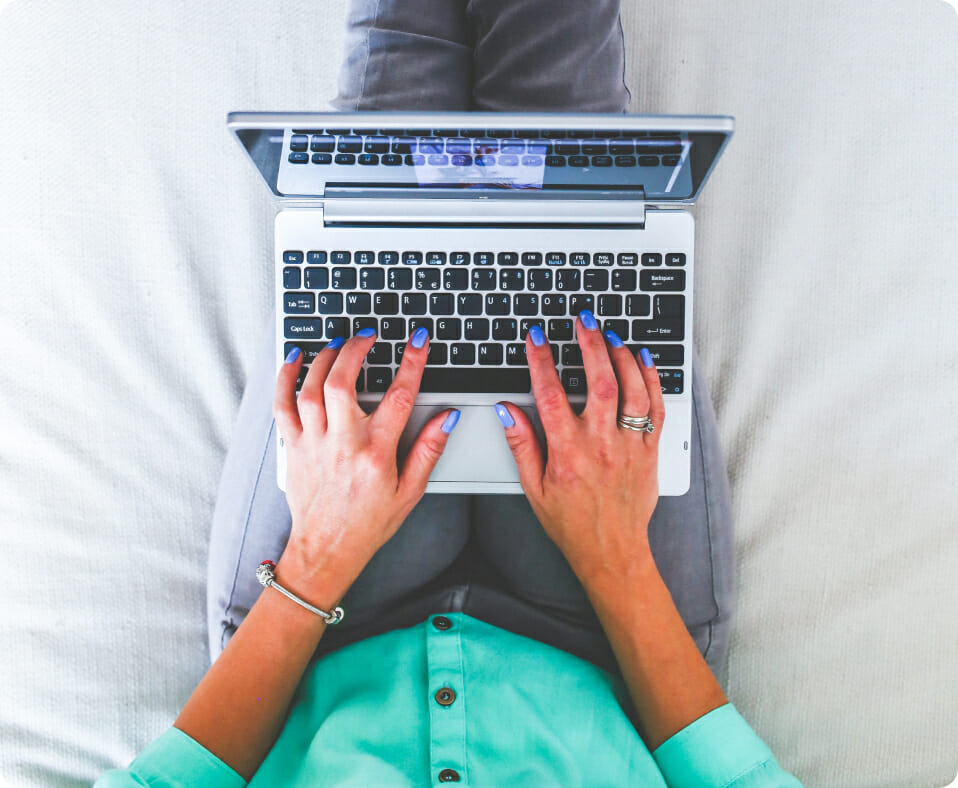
{"x":636,"y":423}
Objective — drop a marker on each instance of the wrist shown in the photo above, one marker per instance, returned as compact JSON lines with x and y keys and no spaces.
{"x":322,"y":583}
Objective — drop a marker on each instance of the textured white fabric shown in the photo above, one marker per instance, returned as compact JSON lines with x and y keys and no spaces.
{"x":135,"y":249}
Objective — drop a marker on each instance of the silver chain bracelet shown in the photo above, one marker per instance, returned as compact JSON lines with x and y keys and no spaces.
{"x":266,"y":574}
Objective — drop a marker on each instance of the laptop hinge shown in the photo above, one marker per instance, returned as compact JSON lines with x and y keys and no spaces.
{"x":370,"y":205}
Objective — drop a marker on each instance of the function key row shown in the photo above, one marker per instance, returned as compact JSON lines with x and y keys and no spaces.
{"x":589,"y":147}
{"x":673,"y":136}
{"x":485,"y":160}
{"x":604,"y":259}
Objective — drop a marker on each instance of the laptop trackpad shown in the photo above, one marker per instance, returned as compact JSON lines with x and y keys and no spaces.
{"x":477,"y":450}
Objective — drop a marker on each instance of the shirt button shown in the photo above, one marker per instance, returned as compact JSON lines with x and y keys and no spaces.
{"x":441,"y":622}
{"x":448,"y":776}
{"x":446,"y":696}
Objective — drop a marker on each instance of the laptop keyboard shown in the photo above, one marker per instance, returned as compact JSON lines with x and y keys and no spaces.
{"x":478,"y":307}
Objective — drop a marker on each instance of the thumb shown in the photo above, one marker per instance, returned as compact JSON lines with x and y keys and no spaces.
{"x":425,"y":453}
{"x":524,"y":445}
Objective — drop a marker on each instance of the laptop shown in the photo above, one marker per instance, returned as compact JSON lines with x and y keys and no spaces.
{"x":478,"y":225}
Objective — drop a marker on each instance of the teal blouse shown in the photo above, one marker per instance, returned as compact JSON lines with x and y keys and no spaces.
{"x":455,"y":699}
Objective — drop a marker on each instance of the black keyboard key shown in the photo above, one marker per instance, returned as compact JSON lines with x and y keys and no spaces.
{"x":293,"y":257}
{"x":455,"y":279}
{"x":478,"y":380}
{"x":344,"y":278}
{"x":420,"y":322}
{"x":469,"y":304}
{"x":578,"y":302}
{"x":345,"y":158}
{"x":675,"y":258}
{"x":368,"y":158}
{"x":322,"y":144}
{"x":299,"y":303}
{"x":505,"y":328}
{"x":555,"y":258}
{"x":377,"y":145}
{"x":462,"y":353}
{"x":637,"y":305}
{"x":571,"y":356}
{"x":310,"y":350}
{"x":372,"y":279}
{"x":298,"y":158}
{"x":438,"y":354}
{"x":579,"y":258}
{"x":477,"y":328}
{"x":516,"y":354}
{"x":435,"y":258}
{"x":483,"y":258}
{"x":567,"y":279}
{"x":596,"y":279}
{"x":329,"y":303}
{"x":524,"y":304}
{"x":662,"y":355}
{"x":498,"y":304}
{"x":628,"y":258}
{"x":555,"y":161}
{"x":350,"y":144}
{"x":579,"y":161}
{"x":391,"y":159}
{"x":341,"y":258}
{"x":560,"y":329}
{"x":663,"y":280}
{"x":298,"y":142}
{"x":322,"y":158}
{"x":459,"y":258}
{"x":378,"y":378}
{"x":651,"y":258}
{"x":316,"y":278}
{"x":441,"y":304}
{"x":602,"y":258}
{"x":386,"y":303}
{"x":512,"y":279}
{"x":625,"y":161}
{"x":305,"y":327}
{"x":449,"y":328}
{"x":412,"y":258}
{"x":540,"y":280}
{"x":671,"y":380}
{"x":490,"y":353}
{"x":484,"y":279}
{"x":291,"y":278}
{"x":554,"y":304}
{"x":624,"y":280}
{"x":359,"y":323}
{"x":315,"y":258}
{"x":527,"y":322}
{"x":532,"y":258}
{"x":399,"y":279}
{"x":507,"y":258}
{"x":414,"y":303}
{"x":669,"y":306}
{"x":358,"y":304}
{"x":388,"y":258}
{"x":670,"y":329}
{"x":621,"y":328}
{"x":365,"y":258}
{"x":392,"y":328}
{"x":427,"y":279}
{"x":610,"y":305}
{"x":336,"y":327}
{"x":573,"y":381}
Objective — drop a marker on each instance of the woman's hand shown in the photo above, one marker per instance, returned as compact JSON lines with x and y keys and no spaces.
{"x":346,"y":493}
{"x":596,"y":494}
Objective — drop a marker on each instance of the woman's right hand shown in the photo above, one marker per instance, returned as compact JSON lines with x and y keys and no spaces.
{"x":596,"y":493}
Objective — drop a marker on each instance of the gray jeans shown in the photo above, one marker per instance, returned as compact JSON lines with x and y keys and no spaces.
{"x":485,"y":555}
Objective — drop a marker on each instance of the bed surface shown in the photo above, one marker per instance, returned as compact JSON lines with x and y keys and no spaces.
{"x":135,"y":245}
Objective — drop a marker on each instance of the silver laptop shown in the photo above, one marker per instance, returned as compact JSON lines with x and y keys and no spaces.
{"x":478,"y":225}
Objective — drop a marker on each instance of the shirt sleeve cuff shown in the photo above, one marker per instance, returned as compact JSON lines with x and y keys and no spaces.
{"x":717,"y":749}
{"x":174,"y":759}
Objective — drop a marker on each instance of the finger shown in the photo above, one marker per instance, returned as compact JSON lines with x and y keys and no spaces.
{"x":602,"y":401}
{"x":656,"y":401}
{"x":311,"y":404}
{"x":339,"y":390}
{"x":393,"y":411}
{"x":525,"y":448}
{"x":424,"y":455}
{"x":633,"y":393}
{"x":284,"y":398}
{"x":556,"y":414}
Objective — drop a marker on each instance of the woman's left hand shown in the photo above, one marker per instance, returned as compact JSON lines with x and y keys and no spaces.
{"x":346,"y":493}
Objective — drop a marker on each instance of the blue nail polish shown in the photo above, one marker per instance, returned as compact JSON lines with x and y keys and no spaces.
{"x":538,"y":338}
{"x":335,"y":344}
{"x":613,"y":338}
{"x":588,"y":320}
{"x":293,"y":355}
{"x":451,"y":421}
{"x":646,"y":357}
{"x":419,"y":339}
{"x":503,"y":413}
{"x":366,"y":332}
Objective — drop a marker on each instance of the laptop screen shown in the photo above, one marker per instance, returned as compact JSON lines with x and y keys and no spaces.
{"x":665,"y":157}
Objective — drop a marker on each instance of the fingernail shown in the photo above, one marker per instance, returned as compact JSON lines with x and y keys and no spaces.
{"x":451,"y":420}
{"x":366,"y":332}
{"x":538,"y":338}
{"x":336,"y":343}
{"x":646,"y":357}
{"x":588,"y":320}
{"x":293,"y":355}
{"x":501,"y":410}
{"x":418,"y":340}
{"x":613,"y":338}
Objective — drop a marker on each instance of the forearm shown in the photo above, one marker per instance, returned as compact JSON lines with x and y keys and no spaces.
{"x":669,"y":682}
{"x":241,"y":705}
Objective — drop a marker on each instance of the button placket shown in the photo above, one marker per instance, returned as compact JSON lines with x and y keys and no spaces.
{"x":447,"y":720}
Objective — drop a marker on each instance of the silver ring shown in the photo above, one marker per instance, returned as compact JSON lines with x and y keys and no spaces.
{"x":636,"y":423}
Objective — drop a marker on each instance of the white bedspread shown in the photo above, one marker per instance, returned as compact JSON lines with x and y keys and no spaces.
{"x":135,"y":249}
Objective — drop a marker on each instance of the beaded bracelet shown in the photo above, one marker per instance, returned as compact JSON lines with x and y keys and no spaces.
{"x":266,"y":575}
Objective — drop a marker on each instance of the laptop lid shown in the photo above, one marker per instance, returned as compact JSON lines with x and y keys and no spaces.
{"x":661,"y":160}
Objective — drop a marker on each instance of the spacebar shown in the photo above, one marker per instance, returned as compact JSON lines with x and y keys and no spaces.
{"x":478,"y":381}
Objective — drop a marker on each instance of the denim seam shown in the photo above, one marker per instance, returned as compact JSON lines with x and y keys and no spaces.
{"x":629,"y":92}
{"x":362,"y":85}
{"x":249,"y":510}
{"x":708,"y":522}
